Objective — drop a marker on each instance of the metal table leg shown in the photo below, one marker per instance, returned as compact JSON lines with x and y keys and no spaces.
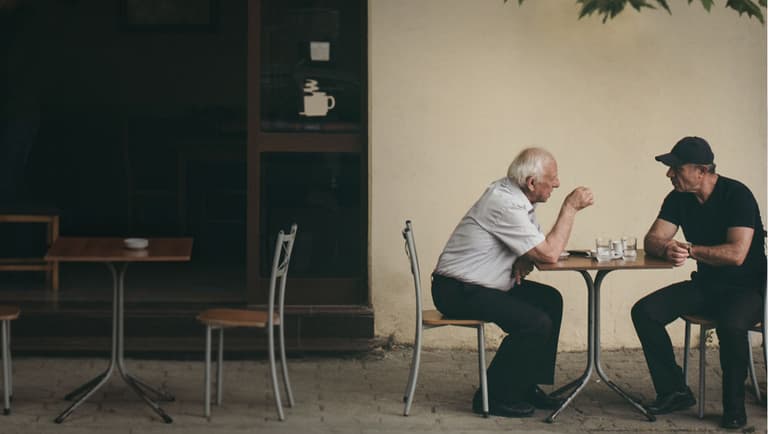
{"x":117,"y":360}
{"x":598,"y":367}
{"x":579,"y":383}
{"x":593,"y":351}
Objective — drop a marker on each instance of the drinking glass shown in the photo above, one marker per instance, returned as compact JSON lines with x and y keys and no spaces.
{"x":617,"y":248}
{"x":630,"y":248}
{"x":603,"y":249}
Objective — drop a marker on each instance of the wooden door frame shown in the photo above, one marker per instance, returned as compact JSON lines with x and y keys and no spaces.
{"x":259,"y":142}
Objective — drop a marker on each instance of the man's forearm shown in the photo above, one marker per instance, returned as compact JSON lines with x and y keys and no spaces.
{"x":720,"y":255}
{"x":655,"y":246}
{"x":561,"y":231}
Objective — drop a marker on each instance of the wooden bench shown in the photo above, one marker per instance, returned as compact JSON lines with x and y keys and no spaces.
{"x":51,"y":220}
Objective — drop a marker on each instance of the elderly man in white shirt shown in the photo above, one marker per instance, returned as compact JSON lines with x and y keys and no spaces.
{"x":481,"y":275}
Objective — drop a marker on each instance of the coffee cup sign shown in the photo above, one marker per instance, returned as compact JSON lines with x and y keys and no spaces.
{"x":316,"y":103}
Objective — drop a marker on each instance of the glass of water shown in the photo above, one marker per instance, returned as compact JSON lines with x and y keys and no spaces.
{"x":630,"y":248}
{"x":603,"y":249}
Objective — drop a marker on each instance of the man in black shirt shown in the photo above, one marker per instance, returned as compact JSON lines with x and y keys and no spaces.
{"x":725,"y":236}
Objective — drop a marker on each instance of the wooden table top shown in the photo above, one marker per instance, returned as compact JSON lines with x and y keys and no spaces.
{"x":112,"y":249}
{"x":578,"y":263}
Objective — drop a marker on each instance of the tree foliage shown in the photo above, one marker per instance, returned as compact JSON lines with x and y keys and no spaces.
{"x":611,"y":8}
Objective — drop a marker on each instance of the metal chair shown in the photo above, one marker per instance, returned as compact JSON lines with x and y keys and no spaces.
{"x":219,"y":319}
{"x":708,"y":324}
{"x":7,"y":314}
{"x":429,"y":319}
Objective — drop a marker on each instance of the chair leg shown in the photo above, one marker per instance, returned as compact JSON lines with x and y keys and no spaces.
{"x":765,"y":359}
{"x":10,"y":361}
{"x":207,"y":373}
{"x":752,"y":373}
{"x":284,"y":366}
{"x":220,"y":369}
{"x":686,"y":350}
{"x":6,"y":369}
{"x":410,"y":388}
{"x":410,"y":375}
{"x":273,"y":373}
{"x":481,"y":360}
{"x":702,"y":369}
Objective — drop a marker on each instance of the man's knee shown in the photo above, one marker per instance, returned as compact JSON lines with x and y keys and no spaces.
{"x":552,"y":297}
{"x":641,"y":312}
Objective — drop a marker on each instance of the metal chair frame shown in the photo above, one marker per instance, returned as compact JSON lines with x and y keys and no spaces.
{"x":423,"y":324}
{"x":706,"y":324}
{"x":7,"y":314}
{"x":279,"y":275}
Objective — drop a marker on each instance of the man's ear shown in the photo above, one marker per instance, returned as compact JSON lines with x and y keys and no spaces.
{"x":530,"y":183}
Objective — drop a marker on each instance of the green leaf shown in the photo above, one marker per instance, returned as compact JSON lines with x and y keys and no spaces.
{"x":746,"y":6}
{"x":610,"y":8}
{"x":664,"y":4}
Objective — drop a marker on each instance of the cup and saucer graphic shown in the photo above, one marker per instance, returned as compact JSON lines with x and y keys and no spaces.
{"x":316,"y":103}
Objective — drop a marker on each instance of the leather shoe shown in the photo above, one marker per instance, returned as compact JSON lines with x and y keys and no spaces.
{"x":672,"y":402}
{"x":498,"y":408}
{"x":733,"y":421}
{"x":541,"y":400}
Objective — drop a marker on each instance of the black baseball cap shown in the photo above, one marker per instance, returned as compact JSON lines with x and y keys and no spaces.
{"x":689,"y":150}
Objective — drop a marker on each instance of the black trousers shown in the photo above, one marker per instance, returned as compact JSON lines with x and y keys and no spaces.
{"x":736,"y":309}
{"x":529,"y":313}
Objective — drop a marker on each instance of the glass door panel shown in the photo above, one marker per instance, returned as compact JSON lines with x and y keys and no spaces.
{"x":311,"y":66}
{"x":321,"y":193}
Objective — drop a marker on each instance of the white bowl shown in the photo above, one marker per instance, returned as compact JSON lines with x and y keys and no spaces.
{"x":136,"y":243}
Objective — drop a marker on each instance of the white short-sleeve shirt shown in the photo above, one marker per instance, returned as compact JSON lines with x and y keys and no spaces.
{"x":499,"y":228}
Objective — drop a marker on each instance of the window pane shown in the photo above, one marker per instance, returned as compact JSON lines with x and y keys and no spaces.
{"x":321,"y":193}
{"x":311,"y":66}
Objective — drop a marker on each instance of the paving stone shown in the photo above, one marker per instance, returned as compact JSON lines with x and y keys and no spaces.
{"x":359,"y":393}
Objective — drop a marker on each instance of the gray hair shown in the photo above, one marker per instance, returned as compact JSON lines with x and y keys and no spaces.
{"x":529,"y":162}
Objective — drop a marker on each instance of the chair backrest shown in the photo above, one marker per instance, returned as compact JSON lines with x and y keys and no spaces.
{"x":279,"y":275}
{"x":410,"y":251}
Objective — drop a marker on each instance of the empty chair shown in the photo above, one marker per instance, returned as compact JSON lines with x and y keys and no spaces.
{"x":708,"y":324}
{"x":428,"y":319}
{"x":219,"y":319}
{"x":7,"y":314}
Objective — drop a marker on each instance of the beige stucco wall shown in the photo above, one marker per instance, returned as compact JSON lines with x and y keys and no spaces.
{"x":458,"y":87}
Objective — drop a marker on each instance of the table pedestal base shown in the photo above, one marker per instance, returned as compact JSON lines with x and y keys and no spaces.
{"x":593,"y":353}
{"x":84,"y":391}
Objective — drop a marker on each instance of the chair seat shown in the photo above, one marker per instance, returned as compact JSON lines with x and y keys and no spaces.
{"x":8,"y":312}
{"x":701,"y":320}
{"x":710,"y":323}
{"x":435,"y":318}
{"x":237,"y":318}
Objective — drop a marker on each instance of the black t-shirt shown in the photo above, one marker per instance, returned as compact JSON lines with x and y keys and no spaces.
{"x":731,"y":204}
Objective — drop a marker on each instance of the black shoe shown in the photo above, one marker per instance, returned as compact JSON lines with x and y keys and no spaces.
{"x":539,"y":399}
{"x":733,"y":421}
{"x":672,"y":402}
{"x":498,"y":408}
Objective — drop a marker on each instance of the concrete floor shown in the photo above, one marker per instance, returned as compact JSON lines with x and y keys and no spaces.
{"x":358,"y":393}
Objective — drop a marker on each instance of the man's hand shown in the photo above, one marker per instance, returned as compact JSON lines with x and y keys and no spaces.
{"x":676,"y":252}
{"x":580,"y":198}
{"x":521,"y":268}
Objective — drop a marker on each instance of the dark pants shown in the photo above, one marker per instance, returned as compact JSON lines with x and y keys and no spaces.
{"x":529,"y":313}
{"x":736,"y":310}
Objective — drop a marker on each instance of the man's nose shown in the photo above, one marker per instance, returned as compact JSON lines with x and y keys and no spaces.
{"x":670,"y":173}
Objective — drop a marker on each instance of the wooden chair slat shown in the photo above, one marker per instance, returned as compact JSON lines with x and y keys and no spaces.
{"x":237,"y":318}
{"x":435,"y":318}
{"x":8,"y":313}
